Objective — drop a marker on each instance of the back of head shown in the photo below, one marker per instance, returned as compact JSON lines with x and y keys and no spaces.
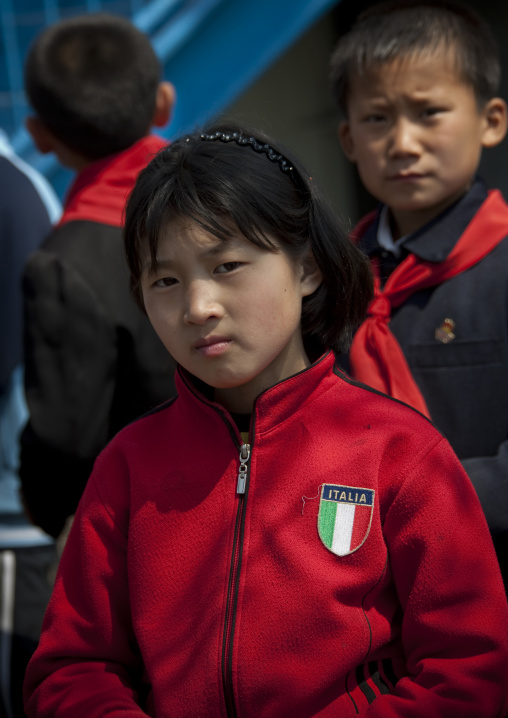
{"x":92,"y":80}
{"x":400,"y":29}
{"x":230,"y":180}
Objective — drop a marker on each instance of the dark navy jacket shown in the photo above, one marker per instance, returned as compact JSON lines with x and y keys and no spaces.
{"x":28,"y":206}
{"x":24,"y":222}
{"x":464,"y":381}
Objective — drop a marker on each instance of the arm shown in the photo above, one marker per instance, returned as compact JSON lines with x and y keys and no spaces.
{"x":455,"y":623}
{"x":489,"y":476}
{"x":21,"y":233}
{"x":70,"y":355}
{"x":87,"y":662}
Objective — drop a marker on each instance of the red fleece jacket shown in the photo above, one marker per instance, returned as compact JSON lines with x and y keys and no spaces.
{"x":354,"y":576}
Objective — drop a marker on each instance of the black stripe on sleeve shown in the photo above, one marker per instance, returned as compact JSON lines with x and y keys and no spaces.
{"x":376,"y":677}
{"x":364,"y":686}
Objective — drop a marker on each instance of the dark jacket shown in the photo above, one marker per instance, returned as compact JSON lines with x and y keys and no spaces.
{"x":93,"y":362}
{"x":22,"y":230}
{"x":465,"y":380}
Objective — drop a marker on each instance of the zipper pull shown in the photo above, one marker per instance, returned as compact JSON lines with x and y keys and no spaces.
{"x":242,"y":471}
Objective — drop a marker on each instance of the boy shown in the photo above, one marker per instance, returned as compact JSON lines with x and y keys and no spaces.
{"x":417,"y":85}
{"x":93,"y":362}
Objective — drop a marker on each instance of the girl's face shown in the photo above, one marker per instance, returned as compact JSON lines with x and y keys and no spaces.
{"x":228,"y":311}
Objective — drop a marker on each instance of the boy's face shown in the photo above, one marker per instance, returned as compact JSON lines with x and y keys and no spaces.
{"x":415,"y":132}
{"x":228,"y":311}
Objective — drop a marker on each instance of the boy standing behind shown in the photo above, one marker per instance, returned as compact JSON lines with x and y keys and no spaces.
{"x":417,"y":84}
{"x":93,"y":362}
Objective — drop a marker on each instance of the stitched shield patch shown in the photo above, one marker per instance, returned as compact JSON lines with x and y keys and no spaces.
{"x":345,"y":516}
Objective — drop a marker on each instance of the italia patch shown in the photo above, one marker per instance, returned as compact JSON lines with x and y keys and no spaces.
{"x":345,"y":516}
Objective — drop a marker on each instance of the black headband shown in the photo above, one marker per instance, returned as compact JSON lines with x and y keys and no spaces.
{"x":272,"y":155}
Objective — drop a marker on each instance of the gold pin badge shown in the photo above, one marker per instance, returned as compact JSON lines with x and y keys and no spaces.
{"x":445,"y":332}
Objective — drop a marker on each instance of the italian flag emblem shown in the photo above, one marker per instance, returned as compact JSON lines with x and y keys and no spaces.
{"x":345,"y":516}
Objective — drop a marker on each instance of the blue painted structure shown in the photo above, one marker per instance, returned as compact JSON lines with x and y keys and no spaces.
{"x":211,"y":50}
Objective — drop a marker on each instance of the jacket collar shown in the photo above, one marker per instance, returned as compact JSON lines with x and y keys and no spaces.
{"x":99,"y":192}
{"x":435,"y":240}
{"x":274,"y":405}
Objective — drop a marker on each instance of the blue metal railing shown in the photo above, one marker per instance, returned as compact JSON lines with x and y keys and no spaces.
{"x":225,"y":54}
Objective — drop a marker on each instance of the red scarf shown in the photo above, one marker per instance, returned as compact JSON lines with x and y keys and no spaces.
{"x":99,"y":192}
{"x":376,"y":357}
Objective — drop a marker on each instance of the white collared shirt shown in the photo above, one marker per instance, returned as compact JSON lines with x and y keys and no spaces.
{"x":385,"y":236}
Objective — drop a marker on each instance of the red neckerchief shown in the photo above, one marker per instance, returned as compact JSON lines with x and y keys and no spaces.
{"x":99,"y":192}
{"x":376,"y":357}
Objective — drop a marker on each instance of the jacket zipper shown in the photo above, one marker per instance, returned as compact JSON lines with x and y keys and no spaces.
{"x":233,"y":583}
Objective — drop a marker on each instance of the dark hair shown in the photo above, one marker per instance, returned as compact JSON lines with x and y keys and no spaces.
{"x":93,"y":80}
{"x":236,"y":181}
{"x":392,"y":30}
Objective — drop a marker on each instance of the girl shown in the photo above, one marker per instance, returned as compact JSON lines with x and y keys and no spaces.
{"x":278,"y":540}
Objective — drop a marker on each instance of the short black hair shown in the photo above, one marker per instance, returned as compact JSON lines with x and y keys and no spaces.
{"x":235,"y":182}
{"x":92,"y":80}
{"x":399,"y":29}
